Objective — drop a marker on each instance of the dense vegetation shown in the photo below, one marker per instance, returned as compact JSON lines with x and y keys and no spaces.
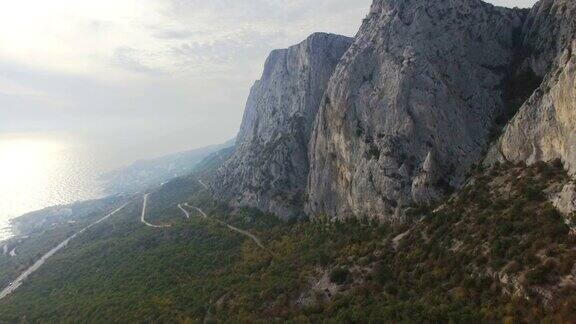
{"x":42,"y":230}
{"x":496,"y":251}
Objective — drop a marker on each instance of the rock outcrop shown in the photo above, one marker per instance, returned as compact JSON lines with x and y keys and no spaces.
{"x":565,"y":200}
{"x":269,"y":167}
{"x":411,"y":106}
{"x":545,"y":127}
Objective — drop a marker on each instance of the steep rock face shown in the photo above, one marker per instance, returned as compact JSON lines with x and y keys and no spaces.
{"x":545,"y":127}
{"x":411,"y":105}
{"x":269,"y":168}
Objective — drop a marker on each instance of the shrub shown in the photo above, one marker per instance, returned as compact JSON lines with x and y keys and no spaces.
{"x":543,"y":273}
{"x":513,"y":267}
{"x":382,"y":273}
{"x":532,"y":192}
{"x":557,"y":164}
{"x":572,"y":219}
{"x":339,"y":276}
{"x":373,"y":152}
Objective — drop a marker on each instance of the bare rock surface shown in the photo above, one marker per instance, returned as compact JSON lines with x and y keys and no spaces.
{"x":269,"y":167}
{"x":545,"y":127}
{"x":398,"y":116}
{"x":565,"y":200}
{"x":411,"y":106}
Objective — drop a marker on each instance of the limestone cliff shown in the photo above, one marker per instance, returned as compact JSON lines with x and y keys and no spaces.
{"x":398,"y":116}
{"x":545,"y":127}
{"x":269,"y":167}
{"x":411,"y":106}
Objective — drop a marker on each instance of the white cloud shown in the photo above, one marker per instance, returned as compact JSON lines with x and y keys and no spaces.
{"x":9,"y":87}
{"x":105,"y":38}
{"x":75,"y":36}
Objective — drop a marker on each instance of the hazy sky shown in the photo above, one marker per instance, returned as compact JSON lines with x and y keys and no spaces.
{"x":154,"y":76}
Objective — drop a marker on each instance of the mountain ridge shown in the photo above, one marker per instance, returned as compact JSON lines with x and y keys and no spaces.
{"x":412,"y":105}
{"x":142,"y":174}
{"x":421,"y":176}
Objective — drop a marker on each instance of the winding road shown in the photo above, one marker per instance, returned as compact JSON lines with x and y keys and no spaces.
{"x":203,"y":184}
{"x":245,"y":233}
{"x":186,"y":213}
{"x":143,"y":220}
{"x":18,"y":282}
{"x":235,"y":229}
{"x":197,"y":209}
{"x":204,"y":215}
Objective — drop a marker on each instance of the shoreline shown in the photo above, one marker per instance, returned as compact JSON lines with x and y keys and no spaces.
{"x":38,"y":263}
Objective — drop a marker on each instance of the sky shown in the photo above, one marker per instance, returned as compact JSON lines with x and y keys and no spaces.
{"x":148,"y":76}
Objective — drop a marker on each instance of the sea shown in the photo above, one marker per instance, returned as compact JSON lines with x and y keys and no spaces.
{"x":39,"y":171}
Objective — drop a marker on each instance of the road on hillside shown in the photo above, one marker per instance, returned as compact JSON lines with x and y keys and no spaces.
{"x":18,"y":282}
{"x":186,"y":213}
{"x":235,"y":229}
{"x":142,"y":216}
{"x":203,"y":184}
{"x":197,"y":209}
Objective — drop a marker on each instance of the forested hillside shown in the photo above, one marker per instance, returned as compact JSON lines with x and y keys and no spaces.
{"x":497,"y":251}
{"x":422,"y":172}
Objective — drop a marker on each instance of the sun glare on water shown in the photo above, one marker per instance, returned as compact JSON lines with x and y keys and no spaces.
{"x":37,"y":172}
{"x":26,"y":169}
{"x":22,"y":159}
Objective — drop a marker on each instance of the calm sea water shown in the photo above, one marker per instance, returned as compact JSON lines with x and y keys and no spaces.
{"x":36,"y":172}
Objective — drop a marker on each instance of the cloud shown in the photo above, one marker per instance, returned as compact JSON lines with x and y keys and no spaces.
{"x":176,"y":34}
{"x":9,"y":87}
{"x":234,"y":51}
{"x":132,"y":60}
{"x":111,"y":40}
